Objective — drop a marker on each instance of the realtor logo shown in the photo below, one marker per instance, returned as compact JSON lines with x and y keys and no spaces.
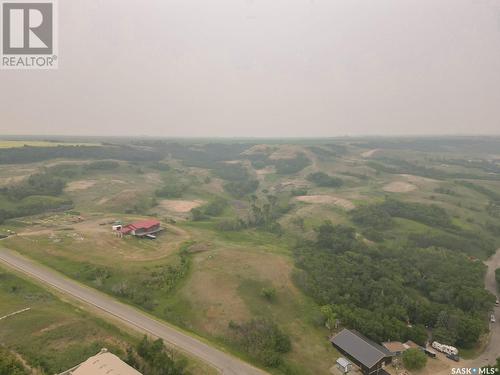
{"x":29,"y":35}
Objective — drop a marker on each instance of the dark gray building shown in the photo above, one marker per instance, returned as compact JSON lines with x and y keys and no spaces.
{"x":366,"y":354}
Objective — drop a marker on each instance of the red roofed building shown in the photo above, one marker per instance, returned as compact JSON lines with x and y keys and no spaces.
{"x":142,"y":228}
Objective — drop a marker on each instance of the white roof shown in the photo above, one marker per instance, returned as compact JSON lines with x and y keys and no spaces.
{"x":343,"y":362}
{"x":104,"y":364}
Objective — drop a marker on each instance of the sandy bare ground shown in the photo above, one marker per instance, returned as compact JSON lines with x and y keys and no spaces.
{"x":181,"y":206}
{"x":326,"y":199}
{"x":370,"y":153}
{"x":399,"y":187}
{"x":80,"y":185}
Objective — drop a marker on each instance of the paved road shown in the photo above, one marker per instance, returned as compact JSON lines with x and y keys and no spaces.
{"x":224,"y":362}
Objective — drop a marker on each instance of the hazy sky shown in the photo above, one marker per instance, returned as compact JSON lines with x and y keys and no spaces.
{"x":264,"y":68}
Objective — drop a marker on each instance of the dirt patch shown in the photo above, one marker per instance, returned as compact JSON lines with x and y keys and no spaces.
{"x":399,"y":187}
{"x":181,"y":206}
{"x":370,"y":153}
{"x":80,"y":185}
{"x":326,"y":199}
{"x":265,"y":171}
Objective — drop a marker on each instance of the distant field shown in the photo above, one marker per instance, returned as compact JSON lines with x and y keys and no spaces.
{"x":17,"y":144}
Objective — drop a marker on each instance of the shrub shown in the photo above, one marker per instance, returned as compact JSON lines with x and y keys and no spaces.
{"x":322,"y":179}
{"x":414,"y":359}
{"x":268,"y":293}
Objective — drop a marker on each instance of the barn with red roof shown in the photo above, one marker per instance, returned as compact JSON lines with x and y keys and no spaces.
{"x":142,"y":228}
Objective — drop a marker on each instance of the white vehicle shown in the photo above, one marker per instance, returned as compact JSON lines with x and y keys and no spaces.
{"x":447,"y":349}
{"x":492,"y":318}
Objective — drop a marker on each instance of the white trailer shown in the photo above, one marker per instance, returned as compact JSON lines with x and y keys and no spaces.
{"x":447,"y":349}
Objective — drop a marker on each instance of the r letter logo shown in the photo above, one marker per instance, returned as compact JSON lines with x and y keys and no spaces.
{"x":29,"y":35}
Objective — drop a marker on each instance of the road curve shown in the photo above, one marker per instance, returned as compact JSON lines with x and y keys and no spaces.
{"x":492,"y":350}
{"x":224,"y":362}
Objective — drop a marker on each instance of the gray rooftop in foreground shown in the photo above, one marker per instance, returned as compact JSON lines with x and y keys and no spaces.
{"x":359,"y":347}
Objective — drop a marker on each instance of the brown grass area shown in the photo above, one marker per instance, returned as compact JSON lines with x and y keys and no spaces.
{"x":181,"y":206}
{"x":80,"y":185}
{"x":399,"y":187}
{"x":213,"y":287}
{"x":326,"y":199}
{"x":124,"y":197}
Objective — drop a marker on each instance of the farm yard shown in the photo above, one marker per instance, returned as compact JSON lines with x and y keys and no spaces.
{"x":281,"y":240}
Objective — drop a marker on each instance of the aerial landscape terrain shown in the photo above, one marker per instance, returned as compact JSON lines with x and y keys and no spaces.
{"x":249,"y":256}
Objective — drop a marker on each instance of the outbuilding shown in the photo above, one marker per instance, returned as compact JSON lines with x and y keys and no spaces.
{"x":370,"y":357}
{"x":344,"y":365}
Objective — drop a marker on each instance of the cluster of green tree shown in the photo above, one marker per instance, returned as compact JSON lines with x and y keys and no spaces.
{"x":492,"y":195}
{"x":376,"y":218}
{"x":171,"y":188}
{"x":263,"y":214}
{"x":208,"y":156}
{"x":262,"y":340}
{"x":153,"y":358}
{"x":447,"y":191}
{"x":34,"y":205}
{"x":103,"y":165}
{"x":322,"y":152}
{"x":380,"y":215}
{"x":9,"y":364}
{"x":325,"y":180}
{"x":291,"y":166}
{"x":231,"y":171}
{"x":484,"y":165}
{"x":471,"y":243}
{"x":239,"y":189}
{"x":399,"y":166}
{"x":298,"y":191}
{"x":162,"y":278}
{"x":283,"y":166}
{"x":379,"y":290}
{"x":212,"y":209}
{"x":36,"y":184}
{"x":36,"y":154}
{"x":414,"y":359}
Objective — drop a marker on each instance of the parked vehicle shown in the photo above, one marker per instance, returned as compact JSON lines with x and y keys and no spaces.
{"x":497,"y":303}
{"x":492,"y":318}
{"x":453,"y":357}
{"x":446,"y":349}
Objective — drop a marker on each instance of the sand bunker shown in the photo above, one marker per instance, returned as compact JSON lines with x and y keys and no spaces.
{"x":399,"y":187}
{"x":181,"y":206}
{"x":326,"y":199}
{"x":80,"y":185}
